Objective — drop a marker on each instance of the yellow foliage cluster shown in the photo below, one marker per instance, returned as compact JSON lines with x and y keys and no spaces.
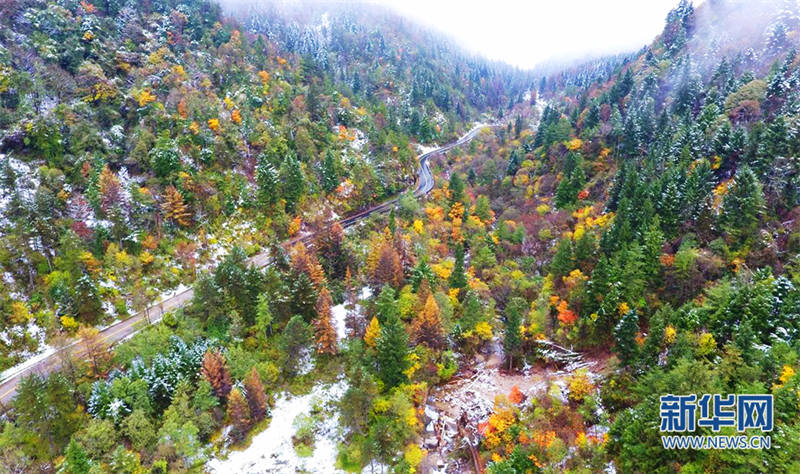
{"x":574,"y":144}
{"x":574,"y":278}
{"x":579,"y":386}
{"x":418,"y":226}
{"x":372,"y":332}
{"x":413,"y":365}
{"x":145,"y":97}
{"x":122,"y":259}
{"x":229,"y":104}
{"x":786,"y":374}
{"x":483,"y":330}
{"x":146,"y":258}
{"x":623,"y":308}
{"x":156,"y":58}
{"x":542,"y":209}
{"x":102,"y":91}
{"x":264,"y":77}
{"x":456,"y":211}
{"x":179,"y":72}
{"x":414,"y":456}
{"x":434,"y":213}
{"x":90,"y":262}
{"x":475,"y":221}
{"x":500,"y":421}
{"x":706,"y":344}
{"x":19,"y":313}
{"x":294,"y":226}
{"x":443,"y":269}
{"x":670,"y":333}
{"x":720,"y":191}
{"x":579,"y":231}
{"x":69,"y":323}
{"x":600,"y":221}
{"x":213,"y":124}
{"x":583,"y":212}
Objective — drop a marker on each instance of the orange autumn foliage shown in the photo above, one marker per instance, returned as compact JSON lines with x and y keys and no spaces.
{"x":324,"y":332}
{"x":565,"y":315}
{"x":516,"y":396}
{"x":427,"y":326}
{"x":304,"y":261}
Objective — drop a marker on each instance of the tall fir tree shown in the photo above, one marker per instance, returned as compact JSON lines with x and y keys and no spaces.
{"x":742,"y":206}
{"x":293,"y":182}
{"x":267,"y":181}
{"x":75,"y":459}
{"x":625,"y":337}
{"x":512,"y":340}
{"x":458,"y":278}
{"x":392,"y":352}
{"x":330,"y":176}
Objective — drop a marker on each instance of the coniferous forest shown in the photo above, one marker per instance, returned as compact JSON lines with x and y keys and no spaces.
{"x":219,"y":252}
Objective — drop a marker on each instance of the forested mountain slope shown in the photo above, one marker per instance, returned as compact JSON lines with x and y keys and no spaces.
{"x":655,"y":212}
{"x":631,"y":231}
{"x":140,"y":140}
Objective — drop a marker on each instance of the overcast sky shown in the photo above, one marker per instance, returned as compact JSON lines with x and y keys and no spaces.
{"x":527,"y":32}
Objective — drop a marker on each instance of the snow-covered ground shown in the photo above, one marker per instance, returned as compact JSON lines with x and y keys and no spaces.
{"x":339,"y":314}
{"x":272,"y":449}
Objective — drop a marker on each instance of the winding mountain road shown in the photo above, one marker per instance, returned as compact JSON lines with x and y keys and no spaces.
{"x":127,"y":328}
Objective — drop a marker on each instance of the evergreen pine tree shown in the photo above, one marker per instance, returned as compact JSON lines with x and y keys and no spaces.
{"x":742,"y":206}
{"x":330,"y":176}
{"x":563,"y":261}
{"x":473,"y":311}
{"x":482,"y":208}
{"x":512,"y":340}
{"x":386,"y":304}
{"x":392,"y":352}
{"x":293,"y":183}
{"x":267,"y":181}
{"x":75,"y":459}
{"x":294,"y":340}
{"x":456,"y":187}
{"x":458,"y":279}
{"x":625,"y":337}
{"x":421,"y":272}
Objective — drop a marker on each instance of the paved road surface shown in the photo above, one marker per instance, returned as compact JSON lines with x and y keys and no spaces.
{"x":135,"y":323}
